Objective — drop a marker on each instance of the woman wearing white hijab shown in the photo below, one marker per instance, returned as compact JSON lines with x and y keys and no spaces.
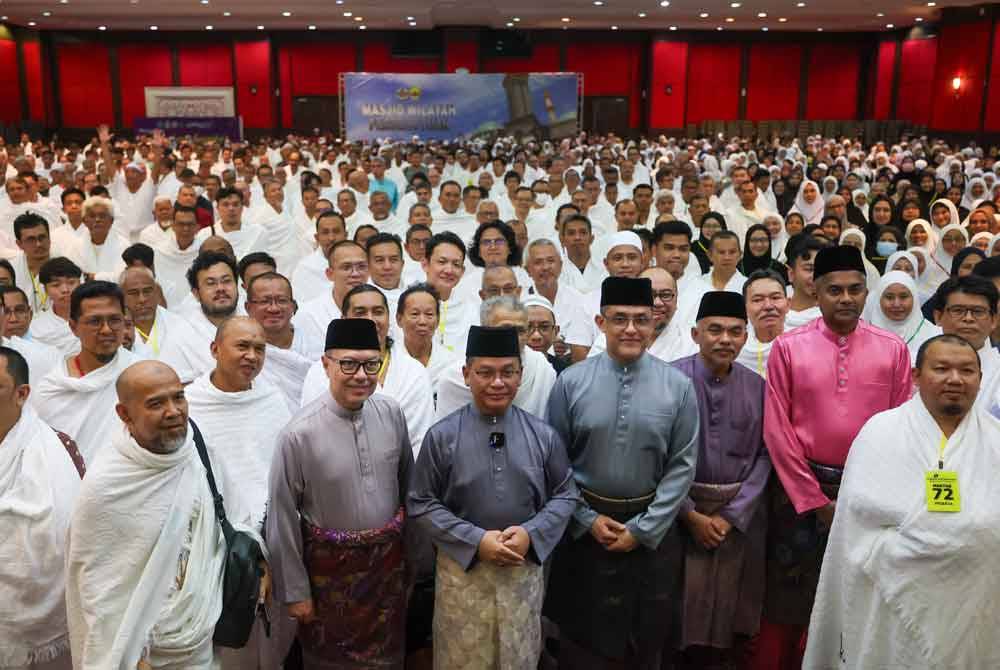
{"x":937,"y":213}
{"x":829,"y":188}
{"x":853,"y":237}
{"x":954,"y":238}
{"x":924,"y":286}
{"x":808,"y":203}
{"x":911,"y":266}
{"x":929,"y":240}
{"x":972,"y":194}
{"x":860,"y":199}
{"x":982,"y":241}
{"x":898,"y":311}
{"x":779,"y":237}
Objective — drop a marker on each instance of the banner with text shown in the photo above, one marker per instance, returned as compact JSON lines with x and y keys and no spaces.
{"x":460,"y":106}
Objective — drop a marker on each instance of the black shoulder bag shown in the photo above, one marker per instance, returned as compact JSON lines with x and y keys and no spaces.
{"x":242,"y":576}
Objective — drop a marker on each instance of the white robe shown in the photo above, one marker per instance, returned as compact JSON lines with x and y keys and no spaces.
{"x":460,"y":223}
{"x":41,"y":358}
{"x":240,"y":430}
{"x":172,"y":263}
{"x":38,"y":485}
{"x":32,"y":286}
{"x":286,"y":369}
{"x":734,"y":285}
{"x":312,"y":320}
{"x":406,"y":382}
{"x":309,"y":278}
{"x":754,"y":354}
{"x":155,"y":235}
{"x":282,"y":238}
{"x":248,"y":239}
{"x":189,"y":350}
{"x":103,"y":261}
{"x":165,"y":325}
{"x":133,"y":211}
{"x":794,"y":319}
{"x":51,"y":330}
{"x":148,"y":507}
{"x":902,"y":587}
{"x":84,"y":407}
{"x":457,"y":315}
{"x":66,"y":241}
{"x":537,"y":381}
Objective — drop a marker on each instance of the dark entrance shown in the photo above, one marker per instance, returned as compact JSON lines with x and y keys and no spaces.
{"x":316,"y":111}
{"x":606,"y":114}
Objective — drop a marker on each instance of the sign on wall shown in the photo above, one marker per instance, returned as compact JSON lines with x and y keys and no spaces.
{"x":460,"y":106}
{"x":189,"y":101}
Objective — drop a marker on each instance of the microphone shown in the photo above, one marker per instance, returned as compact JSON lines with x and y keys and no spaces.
{"x":498,"y":440}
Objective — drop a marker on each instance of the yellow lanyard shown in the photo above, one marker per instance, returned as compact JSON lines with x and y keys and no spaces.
{"x":443,"y":319}
{"x":384,"y":367}
{"x":153,"y":338}
{"x":760,"y":363}
{"x":944,"y":441}
{"x":39,"y":290}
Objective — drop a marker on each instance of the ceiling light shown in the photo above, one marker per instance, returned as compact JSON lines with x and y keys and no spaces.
{"x":614,"y":27}
{"x":46,"y":13}
{"x":880,"y":14}
{"x":340,"y":2}
{"x":919,"y":20}
{"x":413,"y":24}
{"x":800,"y":4}
{"x":362,"y":27}
{"x":359,"y":18}
{"x":704,"y":15}
{"x":932,"y":4}
{"x":509,"y":24}
{"x":209,"y":27}
{"x":204,"y":2}
{"x":3,"y":18}
{"x":516,"y":19}
{"x":410,"y":18}
{"x":102,"y":28}
{"x":227,"y":13}
{"x":260,"y":27}
{"x":286,"y":13}
{"x":764,"y":28}
{"x":348,"y":14}
{"x":889,"y":25}
{"x":782,"y":20}
{"x":565,"y":19}
{"x":673,"y":27}
{"x":598,"y":3}
{"x":735,"y":5}
{"x":729,"y":19}
{"x":312,"y":27}
{"x":718,"y":27}
{"x":664,"y":3}
{"x":32,"y":23}
{"x":819,"y":30}
{"x":642,"y":15}
{"x":761,"y":15}
{"x":154,"y":27}
{"x":63,"y":2}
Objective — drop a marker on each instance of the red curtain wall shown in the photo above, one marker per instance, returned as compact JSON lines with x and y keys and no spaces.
{"x":963,"y":50}
{"x":461,"y":54}
{"x":32,"y":53}
{"x":833,"y":81}
{"x":84,"y":85}
{"x":10,"y":82}
{"x":773,"y":82}
{"x":139,"y":66}
{"x":916,"y":80}
{"x":669,"y":84}
{"x":992,"y":120}
{"x":206,"y":65}
{"x":713,"y":87}
{"x":885,"y":67}
{"x":253,"y":83}
{"x":609,"y":69}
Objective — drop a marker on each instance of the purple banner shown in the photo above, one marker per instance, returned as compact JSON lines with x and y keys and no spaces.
{"x":208,"y":126}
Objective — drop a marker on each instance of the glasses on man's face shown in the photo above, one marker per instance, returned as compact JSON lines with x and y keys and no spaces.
{"x":487,"y":375}
{"x":542,"y":327}
{"x":281,"y":303}
{"x":666,"y":295}
{"x":17,"y":310}
{"x":349,"y":366}
{"x":959,"y":311}
{"x":620,"y":321}
{"x":353,"y":268}
{"x":97,"y":322}
{"x":497,"y":291}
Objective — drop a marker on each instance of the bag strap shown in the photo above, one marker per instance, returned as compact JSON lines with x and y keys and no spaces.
{"x":199,"y":443}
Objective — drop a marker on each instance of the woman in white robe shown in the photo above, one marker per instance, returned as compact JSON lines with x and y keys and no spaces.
{"x":853,"y":237}
{"x":954,"y":238}
{"x":809,"y":203}
{"x":891,"y":315}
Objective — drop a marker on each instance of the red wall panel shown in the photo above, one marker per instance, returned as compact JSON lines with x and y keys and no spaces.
{"x":713,"y":87}
{"x":833,"y":81}
{"x":916,"y":80}
{"x":377,"y":57}
{"x":285,"y":85}
{"x":992,"y":120}
{"x":669,"y":68}
{"x":314,"y":69}
{"x":609,"y":69}
{"x":32,"y":53}
{"x":885,"y":67}
{"x":84,"y":85}
{"x":461,"y":54}
{"x":544,"y":58}
{"x":962,"y":52}
{"x":253,"y":83}
{"x":139,"y":66}
{"x":10,"y":82}
{"x":773,"y":81}
{"x":206,"y":64}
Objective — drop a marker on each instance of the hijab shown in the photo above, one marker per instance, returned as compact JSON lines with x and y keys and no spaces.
{"x":986,"y":235}
{"x":871,"y":272}
{"x":914,"y":330}
{"x":749,"y":263}
{"x":993,"y":243}
{"x":891,"y":261}
{"x":932,"y":237}
{"x":952,"y":210}
{"x":925,"y":285}
{"x":960,"y":257}
{"x":810,"y":213}
{"x":854,"y":194}
{"x":778,"y":243}
{"x":700,"y":246}
{"x":968,"y":199}
{"x":941,"y":257}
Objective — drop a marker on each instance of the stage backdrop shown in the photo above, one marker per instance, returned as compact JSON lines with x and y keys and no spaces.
{"x":459,"y":106}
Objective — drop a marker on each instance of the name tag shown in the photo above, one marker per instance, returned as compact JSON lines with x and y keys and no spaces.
{"x":942,"y":491}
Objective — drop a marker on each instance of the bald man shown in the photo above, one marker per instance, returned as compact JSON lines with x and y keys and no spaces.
{"x":240,"y":418}
{"x":148,"y":497}
{"x":152,"y":323}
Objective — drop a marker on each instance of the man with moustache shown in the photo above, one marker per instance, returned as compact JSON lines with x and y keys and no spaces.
{"x":309,"y":279}
{"x":766,"y":304}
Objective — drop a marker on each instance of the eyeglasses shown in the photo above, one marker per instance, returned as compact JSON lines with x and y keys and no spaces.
{"x":506,"y":374}
{"x":19,"y":310}
{"x":620,"y":321}
{"x":543,"y":328}
{"x":959,"y":311}
{"x":496,"y":291}
{"x":349,"y":366}
{"x":360,"y":268}
{"x":96,"y":322}
{"x":283,"y":303}
{"x":665,"y":295}
{"x":495,"y":242}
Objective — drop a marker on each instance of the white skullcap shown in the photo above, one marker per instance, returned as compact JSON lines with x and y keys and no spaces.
{"x":623,"y":238}
{"x":136,"y":166}
{"x":536,"y":300}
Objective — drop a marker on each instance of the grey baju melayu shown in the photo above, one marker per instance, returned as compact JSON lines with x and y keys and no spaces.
{"x":631,"y":432}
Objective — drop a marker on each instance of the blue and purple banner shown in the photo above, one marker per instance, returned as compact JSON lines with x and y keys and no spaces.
{"x":207,"y":126}
{"x":460,"y":106}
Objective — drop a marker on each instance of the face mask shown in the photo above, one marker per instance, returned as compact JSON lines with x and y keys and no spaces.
{"x":886,"y":248}
{"x":198,"y":190}
{"x":542,"y":199}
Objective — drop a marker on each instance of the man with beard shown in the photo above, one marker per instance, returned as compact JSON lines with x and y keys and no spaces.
{"x":309,"y":279}
{"x":78,"y":397}
{"x":154,"y":326}
{"x":212,"y":278}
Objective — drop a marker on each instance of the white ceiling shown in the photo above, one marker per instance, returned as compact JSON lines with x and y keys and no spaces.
{"x":829,"y":15}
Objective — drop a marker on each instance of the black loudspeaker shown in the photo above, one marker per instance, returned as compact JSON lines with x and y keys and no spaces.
{"x":505,"y":44}
{"x":417,"y":44}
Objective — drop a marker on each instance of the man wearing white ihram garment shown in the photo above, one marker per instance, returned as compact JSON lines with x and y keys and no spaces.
{"x":906,"y":580}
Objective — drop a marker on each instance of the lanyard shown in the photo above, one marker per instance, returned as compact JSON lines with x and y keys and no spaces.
{"x":39,"y":290}
{"x":760,"y":363}
{"x":152,"y":338}
{"x":442,"y":320}
{"x":384,"y":367}
{"x":944,"y":441}
{"x":910,"y":338}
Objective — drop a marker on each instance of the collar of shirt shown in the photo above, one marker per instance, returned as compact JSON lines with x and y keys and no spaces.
{"x":836,"y":338}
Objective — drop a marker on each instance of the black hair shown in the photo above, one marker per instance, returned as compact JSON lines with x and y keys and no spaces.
{"x":724,"y":235}
{"x":576,"y":218}
{"x":16,"y":366}
{"x":949,"y":339}
{"x":800,"y":245}
{"x":665,"y":228}
{"x":383,"y":238}
{"x":206,"y":260}
{"x":71,"y":191}
{"x":446,"y":237}
{"x":450,"y":182}
{"x":28,"y":220}
{"x":416,"y":228}
{"x":567,"y":205}
{"x":989,"y":268}
{"x":970,"y":284}
{"x":330,"y":212}
{"x":269,"y":275}
{"x":765,"y":273}
{"x":58,"y":267}
{"x":255,"y":257}
{"x":4,"y":290}
{"x":419,"y":287}
{"x":645,"y":234}
{"x":642,"y":186}
{"x":5,"y":265}
{"x":184,"y":209}
{"x":343,"y":243}
{"x":513,"y":251}
{"x":143,"y":253}
{"x":364,"y":227}
{"x":960,"y":257}
{"x":227,"y":192}
{"x":358,"y":290}
{"x":94,"y":289}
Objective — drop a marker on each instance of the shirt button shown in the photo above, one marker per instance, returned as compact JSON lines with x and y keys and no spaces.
{"x":842,"y":382}
{"x":842,"y":340}
{"x":498,"y":469}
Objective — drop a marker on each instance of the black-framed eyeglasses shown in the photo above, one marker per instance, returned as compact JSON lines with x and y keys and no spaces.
{"x":349,"y":366}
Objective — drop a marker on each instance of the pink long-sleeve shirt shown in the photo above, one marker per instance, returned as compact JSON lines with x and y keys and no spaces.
{"x":821,"y":389}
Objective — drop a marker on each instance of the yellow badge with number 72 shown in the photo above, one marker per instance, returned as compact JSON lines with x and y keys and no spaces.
{"x":942,"y":491}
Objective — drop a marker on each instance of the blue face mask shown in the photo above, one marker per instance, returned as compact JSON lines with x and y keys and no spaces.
{"x":886,"y":248}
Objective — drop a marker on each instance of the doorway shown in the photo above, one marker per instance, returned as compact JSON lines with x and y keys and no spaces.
{"x":316,"y":111}
{"x":606,"y":114}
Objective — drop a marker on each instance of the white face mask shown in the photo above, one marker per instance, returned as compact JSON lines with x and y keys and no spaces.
{"x":198,"y":190}
{"x":542,"y":199}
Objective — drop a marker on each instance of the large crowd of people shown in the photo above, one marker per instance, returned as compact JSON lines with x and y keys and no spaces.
{"x":578,"y":404}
